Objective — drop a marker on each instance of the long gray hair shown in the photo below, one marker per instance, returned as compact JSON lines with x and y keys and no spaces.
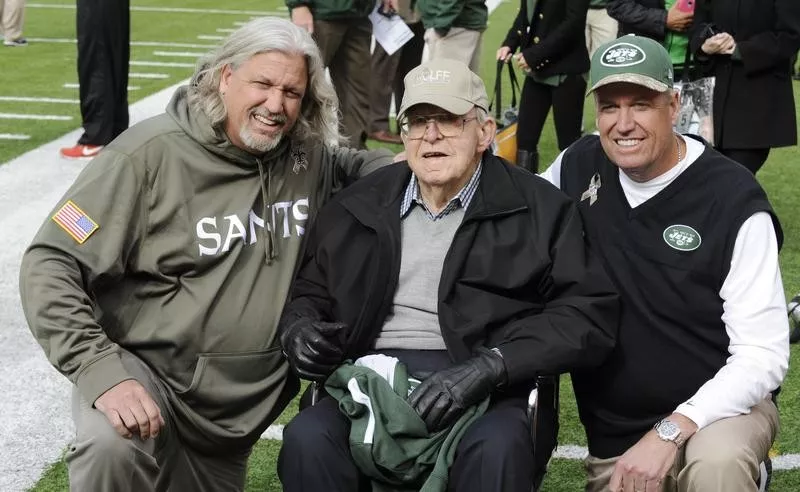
{"x":318,"y":117}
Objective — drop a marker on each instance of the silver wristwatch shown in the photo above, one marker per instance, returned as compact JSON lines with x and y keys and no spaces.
{"x":668,"y":430}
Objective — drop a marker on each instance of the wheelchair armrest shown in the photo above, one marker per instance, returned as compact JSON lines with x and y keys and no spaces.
{"x":543,"y":409}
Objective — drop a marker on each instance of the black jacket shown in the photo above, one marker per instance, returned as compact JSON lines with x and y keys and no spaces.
{"x":517,"y":276}
{"x":640,"y":17}
{"x":753,"y":98}
{"x":555,"y":43}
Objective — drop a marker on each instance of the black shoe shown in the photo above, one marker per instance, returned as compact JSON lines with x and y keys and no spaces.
{"x":16,"y":42}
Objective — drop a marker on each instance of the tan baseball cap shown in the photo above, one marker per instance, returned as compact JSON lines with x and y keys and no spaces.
{"x":448,"y":84}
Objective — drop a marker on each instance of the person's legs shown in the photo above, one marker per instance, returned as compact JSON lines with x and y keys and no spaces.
{"x":103,"y":32}
{"x":496,"y":452}
{"x":604,"y":28}
{"x":12,"y":16}
{"x":534,"y":104}
{"x":568,"y":100}
{"x":598,"y":472}
{"x":752,"y":159}
{"x":383,"y":70}
{"x":410,"y":57}
{"x":725,"y":455}
{"x":349,"y":69}
{"x":100,"y":460}
{"x":459,"y":44}
{"x":316,"y":454}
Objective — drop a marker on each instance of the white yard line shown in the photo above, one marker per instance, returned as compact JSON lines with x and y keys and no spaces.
{"x":14,"y":136}
{"x":225,"y":30}
{"x":162,"y":44}
{"x":70,"y":85}
{"x":51,"y":100}
{"x":176,"y":10}
{"x":43,"y":117}
{"x":137,"y":75}
{"x":179,"y":54}
{"x":210,"y":37}
{"x":146,"y":63}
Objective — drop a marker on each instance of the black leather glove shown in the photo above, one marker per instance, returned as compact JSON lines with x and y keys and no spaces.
{"x":445,"y":395}
{"x":314,"y":349}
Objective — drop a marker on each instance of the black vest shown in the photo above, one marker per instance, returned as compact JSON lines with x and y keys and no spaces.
{"x":668,"y":258}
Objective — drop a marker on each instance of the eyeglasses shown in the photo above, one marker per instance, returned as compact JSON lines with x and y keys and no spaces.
{"x":449,"y":125}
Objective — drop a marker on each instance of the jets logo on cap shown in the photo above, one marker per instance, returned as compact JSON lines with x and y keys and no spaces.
{"x":622,"y":55}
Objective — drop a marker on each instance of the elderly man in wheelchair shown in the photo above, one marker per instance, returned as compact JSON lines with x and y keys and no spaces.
{"x":472,"y":278}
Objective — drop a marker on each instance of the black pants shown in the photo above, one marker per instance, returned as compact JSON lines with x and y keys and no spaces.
{"x":495,"y":454}
{"x":103,"y":57}
{"x":752,"y":159}
{"x":567,"y":102}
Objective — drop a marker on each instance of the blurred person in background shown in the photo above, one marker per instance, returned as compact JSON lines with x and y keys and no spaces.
{"x":388,"y":72}
{"x":550,"y":36}
{"x":661,"y":20}
{"x":12,"y":16}
{"x":600,"y":27}
{"x":343,"y":32}
{"x":104,"y":31}
{"x":454,"y":29}
{"x":747,"y":45}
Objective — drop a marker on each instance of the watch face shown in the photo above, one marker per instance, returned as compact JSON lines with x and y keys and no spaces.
{"x":668,"y":430}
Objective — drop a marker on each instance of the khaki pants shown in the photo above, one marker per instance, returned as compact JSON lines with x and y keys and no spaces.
{"x":100,"y":460}
{"x":459,"y":44}
{"x":600,"y":28}
{"x":12,"y":15}
{"x":723,"y":457}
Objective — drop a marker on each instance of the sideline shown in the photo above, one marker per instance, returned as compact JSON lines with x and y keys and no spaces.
{"x":36,"y":424}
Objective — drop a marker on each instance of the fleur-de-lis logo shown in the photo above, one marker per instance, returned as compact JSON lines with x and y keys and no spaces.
{"x":298,"y":153}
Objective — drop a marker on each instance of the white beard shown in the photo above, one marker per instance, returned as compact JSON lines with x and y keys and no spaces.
{"x":259,"y":143}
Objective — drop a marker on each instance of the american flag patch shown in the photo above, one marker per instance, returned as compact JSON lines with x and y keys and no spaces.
{"x":75,"y":221}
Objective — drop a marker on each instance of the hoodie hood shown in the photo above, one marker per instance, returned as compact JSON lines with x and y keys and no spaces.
{"x":197,"y":125}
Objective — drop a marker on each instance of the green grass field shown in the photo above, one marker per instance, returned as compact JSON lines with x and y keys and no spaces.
{"x":41,"y":70}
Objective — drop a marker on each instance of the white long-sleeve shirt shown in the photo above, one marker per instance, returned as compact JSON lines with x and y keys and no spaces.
{"x":754,"y":307}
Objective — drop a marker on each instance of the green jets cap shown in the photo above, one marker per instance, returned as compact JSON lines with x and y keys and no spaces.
{"x":448,"y":84}
{"x":632,"y":59}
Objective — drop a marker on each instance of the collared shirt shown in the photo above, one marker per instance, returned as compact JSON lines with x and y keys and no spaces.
{"x":462,"y":199}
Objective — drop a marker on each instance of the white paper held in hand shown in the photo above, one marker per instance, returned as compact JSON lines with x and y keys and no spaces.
{"x":391,"y":32}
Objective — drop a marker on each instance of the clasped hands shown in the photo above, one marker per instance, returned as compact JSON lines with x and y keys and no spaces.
{"x":719,"y":44}
{"x":314,"y":350}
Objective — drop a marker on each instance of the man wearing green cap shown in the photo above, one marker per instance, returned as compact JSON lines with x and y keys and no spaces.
{"x":470,"y":271}
{"x":690,"y":240}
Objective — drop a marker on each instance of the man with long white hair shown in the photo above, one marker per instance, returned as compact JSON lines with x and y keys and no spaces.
{"x":157,"y":282}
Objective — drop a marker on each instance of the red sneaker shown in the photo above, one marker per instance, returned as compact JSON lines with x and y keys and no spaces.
{"x":80,"y":151}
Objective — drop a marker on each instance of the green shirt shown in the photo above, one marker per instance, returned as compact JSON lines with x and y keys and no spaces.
{"x":675,"y":42}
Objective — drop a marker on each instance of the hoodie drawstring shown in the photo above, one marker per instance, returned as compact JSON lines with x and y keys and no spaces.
{"x":268,"y":233}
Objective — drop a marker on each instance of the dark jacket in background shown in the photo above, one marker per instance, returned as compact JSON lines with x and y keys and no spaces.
{"x":443,"y":15}
{"x":753,"y":99}
{"x":518,"y":275}
{"x":553,"y":42}
{"x":640,"y":17}
{"x":331,"y":10}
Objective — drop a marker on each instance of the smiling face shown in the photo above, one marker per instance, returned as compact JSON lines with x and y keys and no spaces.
{"x":635,"y":126}
{"x":263,"y":98}
{"x":446,"y":162}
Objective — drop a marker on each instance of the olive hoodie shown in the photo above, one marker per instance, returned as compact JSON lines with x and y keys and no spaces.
{"x":179,"y":247}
